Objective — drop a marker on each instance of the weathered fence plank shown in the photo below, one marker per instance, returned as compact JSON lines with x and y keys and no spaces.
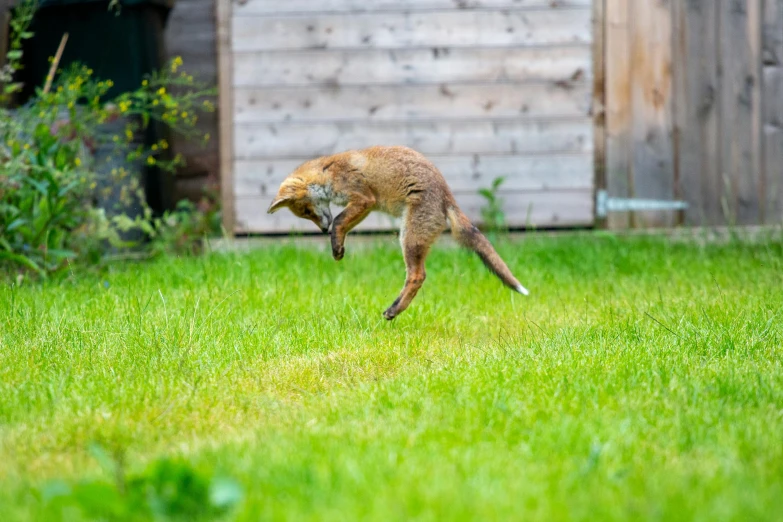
{"x":484,"y":137}
{"x":411,"y":66}
{"x":412,"y":102}
{"x":696,"y":104}
{"x":651,"y":96}
{"x":618,"y":105}
{"x":412,"y":29}
{"x":773,"y":109}
{"x":740,"y":109}
{"x":276,"y":7}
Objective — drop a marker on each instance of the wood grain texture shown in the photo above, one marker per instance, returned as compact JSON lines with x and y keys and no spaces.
{"x":772,"y":52}
{"x":524,"y":209}
{"x":412,"y":29}
{"x":618,"y":106}
{"x":651,"y":102}
{"x":740,"y":103}
{"x":276,"y":7}
{"x":599,"y":99}
{"x":411,"y":66}
{"x":412,"y":102}
{"x":773,"y":144}
{"x":696,"y":100}
{"x":226,"y":113}
{"x":480,"y":137}
{"x":772,"y":86}
{"x":261,"y":178}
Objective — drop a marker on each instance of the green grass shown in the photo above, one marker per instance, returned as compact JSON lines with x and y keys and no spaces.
{"x":641,"y":380}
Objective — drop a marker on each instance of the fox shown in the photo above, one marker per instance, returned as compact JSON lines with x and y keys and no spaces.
{"x":395,"y":180}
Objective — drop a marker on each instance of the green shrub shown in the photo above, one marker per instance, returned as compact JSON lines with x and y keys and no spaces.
{"x":169,"y":489}
{"x":69,"y":159}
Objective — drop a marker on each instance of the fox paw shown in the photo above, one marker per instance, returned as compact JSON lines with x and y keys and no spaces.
{"x":338,"y":252}
{"x":389,"y":314}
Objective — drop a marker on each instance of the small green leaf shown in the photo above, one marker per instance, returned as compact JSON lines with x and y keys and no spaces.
{"x":225,"y":493}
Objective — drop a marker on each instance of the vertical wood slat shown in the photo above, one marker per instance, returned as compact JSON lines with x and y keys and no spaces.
{"x":725,"y":112}
{"x":599,"y":97}
{"x":696,"y":99}
{"x":773,"y":33}
{"x":618,"y":105}
{"x":740,"y":110}
{"x":651,"y":95}
{"x":773,"y":109}
{"x":223,"y":10}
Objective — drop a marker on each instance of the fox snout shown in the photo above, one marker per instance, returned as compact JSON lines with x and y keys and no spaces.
{"x":326,"y":221}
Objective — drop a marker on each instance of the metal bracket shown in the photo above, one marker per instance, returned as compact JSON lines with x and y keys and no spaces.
{"x":604,"y":204}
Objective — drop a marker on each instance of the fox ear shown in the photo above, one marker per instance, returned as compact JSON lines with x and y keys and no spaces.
{"x":277,"y":204}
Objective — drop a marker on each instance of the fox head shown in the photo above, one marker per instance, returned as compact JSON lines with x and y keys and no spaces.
{"x":295,"y":194}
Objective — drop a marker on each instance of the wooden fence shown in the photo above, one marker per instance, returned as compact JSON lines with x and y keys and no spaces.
{"x":486,"y":88}
{"x":693,"y":109}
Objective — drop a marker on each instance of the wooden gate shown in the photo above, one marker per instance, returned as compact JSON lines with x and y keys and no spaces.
{"x":694,"y":109}
{"x":485,"y":88}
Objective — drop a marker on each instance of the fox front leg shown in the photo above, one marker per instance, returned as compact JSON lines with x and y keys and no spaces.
{"x":353,"y":214}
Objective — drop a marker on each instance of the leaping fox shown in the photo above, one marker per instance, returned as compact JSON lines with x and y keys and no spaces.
{"x":398,"y":181}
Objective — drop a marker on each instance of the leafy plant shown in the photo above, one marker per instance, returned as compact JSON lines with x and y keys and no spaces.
{"x":169,"y":489}
{"x":19,"y":25}
{"x":70,"y":162}
{"x":492,"y":214}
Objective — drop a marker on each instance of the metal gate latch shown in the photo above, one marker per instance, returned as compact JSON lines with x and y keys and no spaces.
{"x":604,"y":204}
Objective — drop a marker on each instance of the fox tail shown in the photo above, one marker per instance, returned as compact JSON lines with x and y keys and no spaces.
{"x":471,"y":237}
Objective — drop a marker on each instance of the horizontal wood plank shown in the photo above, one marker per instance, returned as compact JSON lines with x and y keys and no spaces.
{"x":479,"y":137}
{"x":523,"y":209}
{"x":411,"y":102}
{"x":398,"y":30}
{"x":276,"y":7}
{"x":415,"y":66}
{"x":262,"y":178}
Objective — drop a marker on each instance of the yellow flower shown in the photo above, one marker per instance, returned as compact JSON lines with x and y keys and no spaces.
{"x":150,"y":160}
{"x":60,"y":89}
{"x":70,"y":104}
{"x":26,"y":146}
{"x":78,"y":163}
{"x":184,"y":114}
{"x":154,"y":103}
{"x":176,"y":63}
{"x":145,"y":83}
{"x":164,"y":144}
{"x":206,"y":137}
{"x":154,"y":147}
{"x":161,"y":91}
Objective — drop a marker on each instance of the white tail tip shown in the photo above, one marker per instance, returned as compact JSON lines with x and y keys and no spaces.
{"x":522,"y":290}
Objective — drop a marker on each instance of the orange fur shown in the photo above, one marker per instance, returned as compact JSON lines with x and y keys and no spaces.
{"x":398,"y":181}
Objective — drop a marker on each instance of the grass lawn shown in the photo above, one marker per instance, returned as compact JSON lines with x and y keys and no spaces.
{"x":642,"y":379}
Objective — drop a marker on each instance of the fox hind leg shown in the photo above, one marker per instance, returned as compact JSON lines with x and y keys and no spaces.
{"x":415,"y":247}
{"x":415,"y":276}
